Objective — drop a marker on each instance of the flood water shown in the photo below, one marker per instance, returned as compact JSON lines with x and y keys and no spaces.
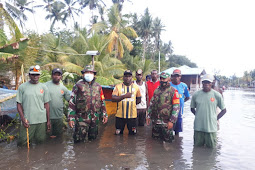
{"x":235,"y":148}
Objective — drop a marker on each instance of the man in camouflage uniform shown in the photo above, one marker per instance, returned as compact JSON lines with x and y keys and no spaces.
{"x":85,"y":106}
{"x":163,"y":110}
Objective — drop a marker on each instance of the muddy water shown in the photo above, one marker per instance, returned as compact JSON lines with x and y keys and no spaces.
{"x":235,"y":148}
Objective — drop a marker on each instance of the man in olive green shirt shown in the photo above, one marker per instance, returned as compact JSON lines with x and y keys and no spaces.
{"x":203,"y":106}
{"x":33,"y":107}
{"x":57,"y":92}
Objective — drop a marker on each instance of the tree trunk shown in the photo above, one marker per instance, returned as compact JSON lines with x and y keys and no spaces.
{"x":144,"y":49}
{"x":17,"y":78}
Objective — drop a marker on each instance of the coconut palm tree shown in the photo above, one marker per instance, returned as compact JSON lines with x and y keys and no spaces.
{"x":53,"y":54}
{"x":18,"y":9}
{"x":119,"y":33}
{"x":71,"y":9}
{"x":145,"y":29}
{"x":56,"y":13}
{"x":157,"y":28}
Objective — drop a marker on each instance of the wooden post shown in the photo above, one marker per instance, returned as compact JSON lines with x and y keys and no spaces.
{"x":92,"y":61}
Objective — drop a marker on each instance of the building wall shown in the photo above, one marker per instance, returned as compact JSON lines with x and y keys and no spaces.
{"x":190,"y":80}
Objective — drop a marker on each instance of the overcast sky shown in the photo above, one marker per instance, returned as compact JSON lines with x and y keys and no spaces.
{"x":216,"y":35}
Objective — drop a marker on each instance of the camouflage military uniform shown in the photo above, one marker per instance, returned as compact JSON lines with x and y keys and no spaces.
{"x":85,"y":106}
{"x":164,"y":107}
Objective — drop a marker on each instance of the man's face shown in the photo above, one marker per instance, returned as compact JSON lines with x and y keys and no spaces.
{"x":164,"y":81}
{"x":154,"y":75}
{"x":56,"y":77}
{"x":139,"y":77}
{"x":207,"y":86}
{"x":176,"y":79}
{"x":34,"y":78}
{"x":127,"y":79}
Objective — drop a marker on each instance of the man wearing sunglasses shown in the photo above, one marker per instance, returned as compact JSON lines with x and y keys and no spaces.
{"x":33,"y":107}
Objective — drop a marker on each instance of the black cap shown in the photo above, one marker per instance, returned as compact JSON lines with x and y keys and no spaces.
{"x":128,"y":72}
{"x":57,"y":70}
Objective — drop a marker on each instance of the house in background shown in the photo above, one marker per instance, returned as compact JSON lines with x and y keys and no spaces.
{"x":190,"y":76}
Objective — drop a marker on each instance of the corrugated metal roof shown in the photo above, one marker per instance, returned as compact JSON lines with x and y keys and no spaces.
{"x":186,"y":70}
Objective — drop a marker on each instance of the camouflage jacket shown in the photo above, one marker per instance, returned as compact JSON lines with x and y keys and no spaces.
{"x":164,"y":105}
{"x":86,"y":99}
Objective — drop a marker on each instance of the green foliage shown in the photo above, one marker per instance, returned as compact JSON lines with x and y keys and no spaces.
{"x":45,"y":76}
{"x":3,"y":132}
{"x":3,"y":38}
{"x":178,"y":60}
{"x":104,"y":81}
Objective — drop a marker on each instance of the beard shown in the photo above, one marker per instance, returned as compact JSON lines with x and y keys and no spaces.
{"x":163,"y":84}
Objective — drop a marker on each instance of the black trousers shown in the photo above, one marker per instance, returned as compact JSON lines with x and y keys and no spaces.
{"x":131,"y":125}
{"x":141,"y":114}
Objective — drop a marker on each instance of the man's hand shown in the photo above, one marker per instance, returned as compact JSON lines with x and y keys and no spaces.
{"x":148,"y":121}
{"x":25,"y":123}
{"x":105,"y":120}
{"x":71,"y":124}
{"x":48,"y":126}
{"x":170,"y":125}
{"x":128,"y":95}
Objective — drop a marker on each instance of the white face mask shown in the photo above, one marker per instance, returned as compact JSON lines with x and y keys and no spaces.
{"x":88,"y":77}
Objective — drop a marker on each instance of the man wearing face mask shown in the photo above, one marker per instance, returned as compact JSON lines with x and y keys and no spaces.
{"x":164,"y":109}
{"x":58,"y":92}
{"x":85,"y":106}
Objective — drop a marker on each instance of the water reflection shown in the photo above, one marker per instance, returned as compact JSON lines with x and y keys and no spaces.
{"x":235,"y":148}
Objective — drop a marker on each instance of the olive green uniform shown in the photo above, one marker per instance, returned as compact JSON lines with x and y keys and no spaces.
{"x":57,"y":93}
{"x":32,"y":97}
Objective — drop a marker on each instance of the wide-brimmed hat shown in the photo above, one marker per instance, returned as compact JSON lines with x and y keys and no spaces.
{"x":88,"y":68}
{"x":35,"y":69}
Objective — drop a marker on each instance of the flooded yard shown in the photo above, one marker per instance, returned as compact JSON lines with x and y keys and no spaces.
{"x":235,"y":148}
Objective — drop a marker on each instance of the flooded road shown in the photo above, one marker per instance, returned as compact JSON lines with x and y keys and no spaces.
{"x":235,"y":148}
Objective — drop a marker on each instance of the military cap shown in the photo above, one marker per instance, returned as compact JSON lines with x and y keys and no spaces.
{"x":88,"y":68}
{"x":164,"y":75}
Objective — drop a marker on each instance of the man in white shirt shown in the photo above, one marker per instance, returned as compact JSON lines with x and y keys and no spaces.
{"x":142,"y":107}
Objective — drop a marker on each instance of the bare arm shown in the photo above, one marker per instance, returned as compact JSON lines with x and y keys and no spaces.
{"x":47,"y":107}
{"x":119,"y":98}
{"x":221,"y":113}
{"x":138,"y":100}
{"x":20,"y":110}
{"x":147,"y":95}
{"x":186,"y":99}
{"x":193,"y":110}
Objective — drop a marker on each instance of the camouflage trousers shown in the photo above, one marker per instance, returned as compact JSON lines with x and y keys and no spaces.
{"x":86,"y":125}
{"x":160,"y":131}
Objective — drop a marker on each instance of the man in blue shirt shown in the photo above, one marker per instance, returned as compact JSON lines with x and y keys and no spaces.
{"x":183,"y":95}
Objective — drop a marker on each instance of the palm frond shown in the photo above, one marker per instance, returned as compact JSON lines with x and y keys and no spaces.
{"x":73,"y":68}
